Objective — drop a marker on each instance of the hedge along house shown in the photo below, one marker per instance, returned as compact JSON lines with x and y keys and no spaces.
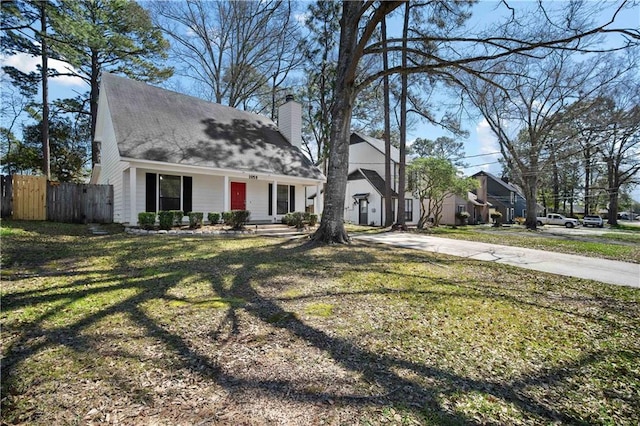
{"x":163,"y":150}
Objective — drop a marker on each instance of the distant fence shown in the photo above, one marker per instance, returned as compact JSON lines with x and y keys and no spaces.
{"x":35,"y":198}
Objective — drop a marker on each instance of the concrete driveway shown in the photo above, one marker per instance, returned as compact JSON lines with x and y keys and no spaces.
{"x":603,"y":270}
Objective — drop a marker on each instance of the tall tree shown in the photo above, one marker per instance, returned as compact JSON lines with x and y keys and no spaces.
{"x":442,"y":147}
{"x":318,"y":90}
{"x":523,"y":106}
{"x":46,"y":151}
{"x":240,"y":52}
{"x":25,"y":31}
{"x":388,"y":192}
{"x":352,"y":44}
{"x":107,"y":35}
{"x":404,"y":88}
{"x":69,"y":144}
{"x":438,"y":50}
{"x":619,"y":147}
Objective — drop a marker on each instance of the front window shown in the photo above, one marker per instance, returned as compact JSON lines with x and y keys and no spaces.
{"x":170,"y":192}
{"x":460,"y":208}
{"x":283,"y":199}
{"x":408,"y":210}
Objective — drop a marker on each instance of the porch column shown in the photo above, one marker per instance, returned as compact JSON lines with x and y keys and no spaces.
{"x":133,"y":218}
{"x":316,"y":200}
{"x":226,"y":203}
{"x":274,"y":197}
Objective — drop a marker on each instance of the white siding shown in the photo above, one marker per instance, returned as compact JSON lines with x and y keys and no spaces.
{"x":111,"y":166}
{"x":352,"y":212}
{"x":258,"y":200}
{"x":208,"y":194}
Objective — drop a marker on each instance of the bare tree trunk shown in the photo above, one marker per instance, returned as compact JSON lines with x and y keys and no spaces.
{"x":46,"y":168}
{"x":401,"y":220}
{"x":556,"y":182}
{"x":530,"y":189}
{"x":331,"y":229}
{"x":612,"y":191}
{"x":93,"y":105}
{"x":388,"y":199}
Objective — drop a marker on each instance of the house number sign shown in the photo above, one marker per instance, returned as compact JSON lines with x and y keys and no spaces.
{"x":253,"y":177}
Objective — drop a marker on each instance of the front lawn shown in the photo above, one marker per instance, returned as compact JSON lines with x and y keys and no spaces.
{"x":623,"y":246}
{"x":260,"y":330}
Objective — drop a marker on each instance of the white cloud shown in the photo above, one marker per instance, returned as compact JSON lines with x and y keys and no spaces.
{"x":486,"y":138}
{"x":28,"y":63}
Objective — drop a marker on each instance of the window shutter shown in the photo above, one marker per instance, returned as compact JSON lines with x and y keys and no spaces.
{"x":187,"y":191}
{"x":150,"y":198}
{"x":292,"y":198}
{"x":270,"y":198}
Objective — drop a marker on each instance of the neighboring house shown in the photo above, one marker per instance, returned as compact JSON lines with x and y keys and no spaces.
{"x":453,"y":204}
{"x":364,"y":202}
{"x":163,"y":150}
{"x":503,"y":197}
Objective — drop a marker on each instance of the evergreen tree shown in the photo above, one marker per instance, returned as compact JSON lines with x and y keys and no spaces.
{"x":107,"y":35}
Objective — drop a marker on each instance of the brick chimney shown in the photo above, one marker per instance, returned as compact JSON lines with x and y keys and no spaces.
{"x":290,"y":121}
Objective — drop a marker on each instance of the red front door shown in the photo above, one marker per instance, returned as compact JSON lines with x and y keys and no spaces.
{"x":238,"y":196}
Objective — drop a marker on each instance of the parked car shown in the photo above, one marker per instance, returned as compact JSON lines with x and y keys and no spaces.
{"x":557,"y":219}
{"x":627,"y":216}
{"x":593,"y":220}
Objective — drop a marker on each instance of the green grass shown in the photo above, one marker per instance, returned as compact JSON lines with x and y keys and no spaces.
{"x":616,"y":246}
{"x":186,"y":330}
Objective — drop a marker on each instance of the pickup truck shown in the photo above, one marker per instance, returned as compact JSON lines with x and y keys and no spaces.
{"x":556,"y":219}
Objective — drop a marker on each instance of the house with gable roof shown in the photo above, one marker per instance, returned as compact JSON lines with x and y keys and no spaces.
{"x":364,"y":203}
{"x":163,"y":150}
{"x":503,"y":196}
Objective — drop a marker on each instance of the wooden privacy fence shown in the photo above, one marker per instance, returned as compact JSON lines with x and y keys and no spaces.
{"x":79,"y":203}
{"x":28,"y":197}
{"x":33,"y":198}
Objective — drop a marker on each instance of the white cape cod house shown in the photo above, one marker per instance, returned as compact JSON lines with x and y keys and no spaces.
{"x":163,"y":150}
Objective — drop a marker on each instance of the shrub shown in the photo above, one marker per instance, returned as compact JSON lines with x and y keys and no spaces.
{"x":520,"y":220}
{"x":496,"y":216}
{"x":213,"y":218}
{"x":312,"y":218}
{"x":296,"y":219}
{"x":287,"y":219}
{"x":195,"y":219}
{"x":237,"y":218}
{"x":463,"y":216}
{"x":166,"y":219}
{"x":177,"y":217}
{"x":147,"y":220}
{"x":226,"y":217}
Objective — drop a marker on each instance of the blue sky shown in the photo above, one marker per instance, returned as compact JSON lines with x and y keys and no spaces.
{"x":481,"y":146}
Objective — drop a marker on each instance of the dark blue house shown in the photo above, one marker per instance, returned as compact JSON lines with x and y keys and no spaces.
{"x":503,"y":196}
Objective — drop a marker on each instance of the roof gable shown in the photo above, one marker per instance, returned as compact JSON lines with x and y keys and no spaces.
{"x":505,"y":185}
{"x":155,"y":124}
{"x":377,"y":144}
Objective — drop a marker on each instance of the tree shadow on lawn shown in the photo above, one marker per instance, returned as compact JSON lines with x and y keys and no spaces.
{"x":242,"y":275}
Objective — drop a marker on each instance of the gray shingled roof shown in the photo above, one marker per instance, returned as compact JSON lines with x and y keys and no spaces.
{"x":374,"y":179}
{"x":151,"y":123}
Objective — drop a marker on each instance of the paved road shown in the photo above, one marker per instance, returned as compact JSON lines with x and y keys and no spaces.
{"x":603,"y":270}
